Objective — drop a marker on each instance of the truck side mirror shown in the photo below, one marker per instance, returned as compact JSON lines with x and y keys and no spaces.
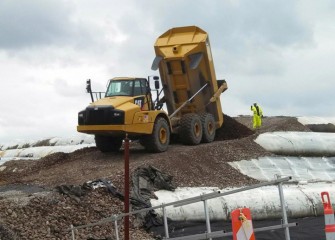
{"x":156,"y":84}
{"x":88,"y":86}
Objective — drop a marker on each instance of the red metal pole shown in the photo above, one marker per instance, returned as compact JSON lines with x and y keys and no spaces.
{"x":126,"y":187}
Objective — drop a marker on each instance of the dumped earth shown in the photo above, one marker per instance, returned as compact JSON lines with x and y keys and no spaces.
{"x":40,"y":199}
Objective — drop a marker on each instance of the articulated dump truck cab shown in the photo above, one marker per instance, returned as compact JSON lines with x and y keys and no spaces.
{"x":191,"y":90}
{"x":127,"y":107}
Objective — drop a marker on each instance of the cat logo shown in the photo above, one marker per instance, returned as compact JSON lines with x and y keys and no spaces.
{"x":138,"y":102}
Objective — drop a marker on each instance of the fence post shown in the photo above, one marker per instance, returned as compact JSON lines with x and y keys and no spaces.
{"x":208,"y":224}
{"x":165,"y":223}
{"x":116,"y":228}
{"x":283,"y":209}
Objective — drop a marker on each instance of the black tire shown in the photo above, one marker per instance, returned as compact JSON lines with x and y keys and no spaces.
{"x":190,"y":129}
{"x":159,"y":140}
{"x":208,"y":127}
{"x":108,"y":144}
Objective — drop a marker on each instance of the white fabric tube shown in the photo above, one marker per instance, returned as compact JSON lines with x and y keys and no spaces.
{"x":298,"y":143}
{"x":264,"y":203}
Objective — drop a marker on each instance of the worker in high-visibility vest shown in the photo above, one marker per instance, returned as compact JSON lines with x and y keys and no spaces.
{"x":258,"y":114}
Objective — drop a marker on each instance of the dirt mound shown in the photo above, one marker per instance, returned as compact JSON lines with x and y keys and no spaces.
{"x":232,"y":129}
{"x":272,"y":124}
{"x":322,"y":127}
{"x":48,"y":217}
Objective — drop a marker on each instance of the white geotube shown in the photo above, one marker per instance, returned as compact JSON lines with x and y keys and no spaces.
{"x":264,"y":202}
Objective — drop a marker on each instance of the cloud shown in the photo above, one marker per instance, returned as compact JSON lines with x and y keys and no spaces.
{"x":274,"y":23}
{"x":247,"y":37}
{"x":32,"y":23}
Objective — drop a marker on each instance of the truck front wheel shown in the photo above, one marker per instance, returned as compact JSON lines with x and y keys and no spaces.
{"x":108,"y":143}
{"x":159,"y":139}
{"x":190,"y":129}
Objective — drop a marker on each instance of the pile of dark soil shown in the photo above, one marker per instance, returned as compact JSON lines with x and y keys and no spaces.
{"x":232,"y":129}
{"x":322,"y":127}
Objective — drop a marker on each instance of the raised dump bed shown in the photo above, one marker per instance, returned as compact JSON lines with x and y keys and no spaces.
{"x":191,"y":93}
{"x":185,"y":62}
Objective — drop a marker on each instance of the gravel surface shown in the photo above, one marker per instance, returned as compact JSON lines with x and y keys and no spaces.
{"x":37,"y":211}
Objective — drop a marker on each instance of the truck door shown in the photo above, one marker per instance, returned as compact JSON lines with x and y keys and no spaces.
{"x":143,"y":98}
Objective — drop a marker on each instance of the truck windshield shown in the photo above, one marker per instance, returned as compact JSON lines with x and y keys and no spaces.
{"x":120,"y":88}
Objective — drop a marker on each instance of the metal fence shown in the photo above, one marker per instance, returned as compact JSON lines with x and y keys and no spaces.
{"x":204,"y":198}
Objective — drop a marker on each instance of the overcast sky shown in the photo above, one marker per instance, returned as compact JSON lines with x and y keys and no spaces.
{"x":278,"y":53}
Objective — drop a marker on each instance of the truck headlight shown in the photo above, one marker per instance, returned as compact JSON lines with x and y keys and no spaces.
{"x":81,"y":118}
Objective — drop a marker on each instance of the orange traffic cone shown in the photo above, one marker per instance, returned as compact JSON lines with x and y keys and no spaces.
{"x":242,"y":224}
{"x":329,"y":217}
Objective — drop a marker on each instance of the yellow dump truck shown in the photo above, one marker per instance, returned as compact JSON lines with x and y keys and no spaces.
{"x":191,"y":94}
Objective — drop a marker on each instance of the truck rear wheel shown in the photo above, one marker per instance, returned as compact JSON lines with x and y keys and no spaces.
{"x":190,"y":129}
{"x":208,"y":127}
{"x":159,"y":140}
{"x":108,"y":143}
